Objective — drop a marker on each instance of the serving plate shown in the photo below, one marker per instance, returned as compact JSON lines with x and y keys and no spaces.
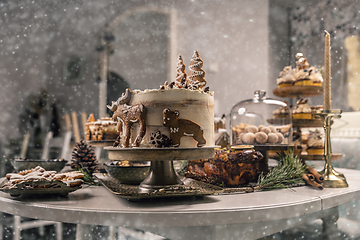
{"x":38,"y":188}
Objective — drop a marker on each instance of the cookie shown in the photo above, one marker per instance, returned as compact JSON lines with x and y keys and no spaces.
{"x":74,"y":175}
{"x":261,"y":137}
{"x":266,"y":130}
{"x":272,"y":138}
{"x":251,"y":128}
{"x":74,"y":183}
{"x":280,"y":137}
{"x":59,"y":176}
{"x":14,"y":176}
{"x":248,"y":138}
{"x":272,"y":129}
{"x":39,"y":169}
{"x":129,"y":115}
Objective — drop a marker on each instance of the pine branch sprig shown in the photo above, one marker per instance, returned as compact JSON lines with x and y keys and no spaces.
{"x":286,"y":174}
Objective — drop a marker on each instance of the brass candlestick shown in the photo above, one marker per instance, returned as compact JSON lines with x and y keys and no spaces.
{"x":332,"y":178}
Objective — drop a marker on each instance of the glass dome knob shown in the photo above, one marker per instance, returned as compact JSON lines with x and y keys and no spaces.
{"x":259,"y":94}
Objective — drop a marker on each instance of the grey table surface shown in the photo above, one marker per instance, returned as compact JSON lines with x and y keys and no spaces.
{"x":275,"y":210}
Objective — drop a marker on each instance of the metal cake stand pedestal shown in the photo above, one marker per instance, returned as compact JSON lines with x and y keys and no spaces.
{"x":162,"y":173}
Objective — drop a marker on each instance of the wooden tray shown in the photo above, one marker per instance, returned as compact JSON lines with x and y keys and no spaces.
{"x":304,"y":123}
{"x":334,"y":157}
{"x":298,"y":91}
{"x":279,"y":121}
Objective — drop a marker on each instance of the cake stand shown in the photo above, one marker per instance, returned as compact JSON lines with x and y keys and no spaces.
{"x":101,"y":143}
{"x":162,"y":174}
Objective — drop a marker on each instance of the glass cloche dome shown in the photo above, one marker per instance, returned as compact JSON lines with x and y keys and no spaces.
{"x":260,"y":121}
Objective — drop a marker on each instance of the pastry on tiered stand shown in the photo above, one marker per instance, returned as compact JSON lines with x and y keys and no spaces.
{"x":315,"y":143}
{"x":301,"y":75}
{"x":302,"y":110}
{"x":307,"y":82}
{"x":283,"y":112}
{"x":286,"y":77}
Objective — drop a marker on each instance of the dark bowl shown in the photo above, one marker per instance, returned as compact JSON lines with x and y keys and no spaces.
{"x":48,"y":164}
{"x":134,"y":174}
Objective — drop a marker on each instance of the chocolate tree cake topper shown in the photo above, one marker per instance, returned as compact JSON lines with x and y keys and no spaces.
{"x":196,"y":73}
{"x":129,"y":115}
{"x":182,"y":127}
{"x":180,"y":73}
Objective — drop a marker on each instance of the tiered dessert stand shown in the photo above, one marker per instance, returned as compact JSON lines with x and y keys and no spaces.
{"x":299,"y":92}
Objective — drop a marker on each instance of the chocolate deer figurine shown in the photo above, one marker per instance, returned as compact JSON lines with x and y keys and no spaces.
{"x":128,"y":115}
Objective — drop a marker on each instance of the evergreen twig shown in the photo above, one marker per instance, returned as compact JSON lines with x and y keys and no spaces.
{"x":88,"y":179}
{"x":286,"y":174}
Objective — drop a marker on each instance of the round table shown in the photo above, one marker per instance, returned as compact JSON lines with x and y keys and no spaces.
{"x":243,"y":215}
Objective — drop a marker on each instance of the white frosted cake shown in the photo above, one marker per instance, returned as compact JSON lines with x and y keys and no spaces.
{"x":179,"y":114}
{"x":194,"y":105}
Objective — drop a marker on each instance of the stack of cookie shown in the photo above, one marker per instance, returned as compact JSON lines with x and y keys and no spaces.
{"x":48,"y":179}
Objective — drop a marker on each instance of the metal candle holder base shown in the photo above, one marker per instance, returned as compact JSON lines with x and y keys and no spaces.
{"x":332,"y":178}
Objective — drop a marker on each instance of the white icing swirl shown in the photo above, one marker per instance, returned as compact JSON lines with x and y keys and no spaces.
{"x":197,"y":63}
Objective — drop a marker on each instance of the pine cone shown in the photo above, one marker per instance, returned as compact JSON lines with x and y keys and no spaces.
{"x":83,"y":156}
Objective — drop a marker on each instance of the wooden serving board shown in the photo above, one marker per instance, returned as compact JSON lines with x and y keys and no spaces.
{"x":298,"y":91}
{"x":334,"y":157}
{"x":307,"y":123}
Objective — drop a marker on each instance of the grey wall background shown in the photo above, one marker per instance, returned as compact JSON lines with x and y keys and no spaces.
{"x":38,"y":36}
{"x":248,"y":41}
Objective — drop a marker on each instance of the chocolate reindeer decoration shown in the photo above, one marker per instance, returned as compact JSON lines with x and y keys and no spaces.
{"x":128,"y":115}
{"x":182,"y":127}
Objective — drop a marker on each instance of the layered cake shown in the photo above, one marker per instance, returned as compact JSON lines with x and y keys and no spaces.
{"x":302,"y":110}
{"x":179,"y":114}
{"x":315,"y":143}
{"x":301,"y":75}
{"x":101,"y":129}
{"x":182,"y":104}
